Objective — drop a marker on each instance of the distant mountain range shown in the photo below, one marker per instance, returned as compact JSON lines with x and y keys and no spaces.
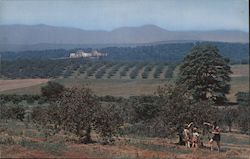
{"x":22,"y":37}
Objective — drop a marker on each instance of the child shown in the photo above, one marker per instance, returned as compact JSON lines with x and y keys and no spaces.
{"x":216,"y":135}
{"x":186,"y":133}
{"x":216,"y":138}
{"x":195,"y":138}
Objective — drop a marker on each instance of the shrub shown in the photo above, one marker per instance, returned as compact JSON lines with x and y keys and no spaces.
{"x":52,"y":90}
{"x":107,"y":122}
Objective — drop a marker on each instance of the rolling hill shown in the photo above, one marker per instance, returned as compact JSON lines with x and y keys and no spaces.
{"x":21,"y":37}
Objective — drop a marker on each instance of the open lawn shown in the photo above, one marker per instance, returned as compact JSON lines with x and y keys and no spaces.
{"x":19,"y":141}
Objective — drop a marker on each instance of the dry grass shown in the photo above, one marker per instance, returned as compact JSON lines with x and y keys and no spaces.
{"x":123,"y":88}
{"x":26,"y":145}
{"x":20,"y":83}
{"x":238,"y":84}
{"x":240,"y":70}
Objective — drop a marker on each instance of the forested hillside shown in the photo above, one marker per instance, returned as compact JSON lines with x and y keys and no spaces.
{"x":236,"y":52}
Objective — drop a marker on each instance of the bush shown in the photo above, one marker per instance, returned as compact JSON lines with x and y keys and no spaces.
{"x":15,"y":112}
{"x":52,"y":90}
{"x":107,"y":122}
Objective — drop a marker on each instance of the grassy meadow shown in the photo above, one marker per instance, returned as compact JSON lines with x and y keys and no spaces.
{"x":19,"y":140}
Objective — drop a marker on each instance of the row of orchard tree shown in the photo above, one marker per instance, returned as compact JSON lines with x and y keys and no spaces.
{"x":202,"y":83}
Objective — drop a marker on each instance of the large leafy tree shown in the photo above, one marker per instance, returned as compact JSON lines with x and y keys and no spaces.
{"x":205,"y":73}
{"x":178,"y":109}
{"x":77,"y":112}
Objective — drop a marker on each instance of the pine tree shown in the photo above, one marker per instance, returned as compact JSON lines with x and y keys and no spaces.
{"x":205,"y":73}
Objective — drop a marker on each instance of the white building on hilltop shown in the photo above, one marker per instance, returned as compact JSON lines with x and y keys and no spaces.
{"x":81,"y":53}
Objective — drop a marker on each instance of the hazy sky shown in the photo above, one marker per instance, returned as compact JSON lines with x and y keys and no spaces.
{"x":110,"y":14}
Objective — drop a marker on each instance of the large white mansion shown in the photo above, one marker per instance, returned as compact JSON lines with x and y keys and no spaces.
{"x":81,"y":53}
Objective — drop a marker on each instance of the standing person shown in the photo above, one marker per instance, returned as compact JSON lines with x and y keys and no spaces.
{"x":216,"y":135}
{"x":186,"y":132}
{"x":195,"y":138}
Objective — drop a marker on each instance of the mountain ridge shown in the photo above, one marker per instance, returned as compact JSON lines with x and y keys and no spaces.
{"x":19,"y":34}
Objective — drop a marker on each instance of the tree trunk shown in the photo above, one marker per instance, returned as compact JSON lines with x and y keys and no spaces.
{"x":180,"y":134}
{"x":230,"y":128}
{"x":86,"y":138}
{"x":181,"y":141}
{"x":87,"y":135}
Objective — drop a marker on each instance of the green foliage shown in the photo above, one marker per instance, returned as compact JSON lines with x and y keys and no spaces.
{"x":205,"y":74}
{"x":244,"y":111}
{"x":169,"y":72}
{"x":144,"y":107}
{"x":100,"y":73}
{"x":79,"y":111}
{"x":126,"y":68}
{"x":107,"y":122}
{"x":39,"y":115}
{"x":77,"y":67}
{"x":230,"y":116}
{"x":146,"y":71}
{"x":16,"y":99}
{"x":78,"y":106}
{"x":93,"y":69}
{"x":158,"y":70}
{"x":243,"y":98}
{"x":52,"y":90}
{"x":135,"y":71}
{"x":16,"y":112}
{"x":178,"y":109}
{"x":114,"y":69}
{"x":237,"y":52}
{"x":165,"y":114}
{"x":244,"y":119}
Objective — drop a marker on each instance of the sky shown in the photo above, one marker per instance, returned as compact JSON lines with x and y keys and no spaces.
{"x":181,"y":15}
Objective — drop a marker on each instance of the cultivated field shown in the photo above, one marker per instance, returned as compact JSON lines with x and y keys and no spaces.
{"x":18,"y":141}
{"x":120,"y":86}
{"x":117,"y":85}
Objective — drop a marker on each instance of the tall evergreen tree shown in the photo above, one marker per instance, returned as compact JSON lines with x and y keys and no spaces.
{"x":205,"y":73}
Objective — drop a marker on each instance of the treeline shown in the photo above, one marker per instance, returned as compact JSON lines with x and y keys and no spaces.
{"x":34,"y":54}
{"x":236,"y":52}
{"x":27,"y":68}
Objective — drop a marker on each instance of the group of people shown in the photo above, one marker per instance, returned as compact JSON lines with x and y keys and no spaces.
{"x":192,"y":136}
